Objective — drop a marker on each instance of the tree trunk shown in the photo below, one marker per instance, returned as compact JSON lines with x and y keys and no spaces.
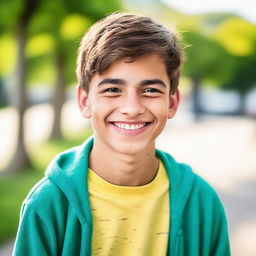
{"x":242,"y":103}
{"x":58,"y":97}
{"x":20,"y":159}
{"x":3,"y":96}
{"x":196,"y":103}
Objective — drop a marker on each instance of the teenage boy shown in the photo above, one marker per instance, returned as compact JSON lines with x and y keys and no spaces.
{"x":116,"y":194}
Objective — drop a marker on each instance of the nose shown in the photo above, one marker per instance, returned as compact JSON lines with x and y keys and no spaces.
{"x":132,"y":105}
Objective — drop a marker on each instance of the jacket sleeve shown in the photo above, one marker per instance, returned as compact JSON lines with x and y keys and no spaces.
{"x":34,"y":236}
{"x":220,"y":239}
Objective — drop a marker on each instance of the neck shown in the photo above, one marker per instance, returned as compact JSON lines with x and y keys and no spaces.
{"x":124,"y":169}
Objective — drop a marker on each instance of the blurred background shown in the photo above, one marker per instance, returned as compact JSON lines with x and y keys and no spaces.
{"x":214,"y":130}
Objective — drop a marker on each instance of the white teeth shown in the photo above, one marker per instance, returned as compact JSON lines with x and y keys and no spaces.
{"x":129,"y":126}
{"x":133,"y":127}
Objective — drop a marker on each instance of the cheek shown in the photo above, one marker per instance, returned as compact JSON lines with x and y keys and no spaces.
{"x":159,"y":109}
{"x":101,"y":109}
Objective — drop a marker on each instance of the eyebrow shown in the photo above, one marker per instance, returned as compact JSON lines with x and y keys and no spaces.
{"x":112,"y":81}
{"x":118,"y":81}
{"x":152,"y":81}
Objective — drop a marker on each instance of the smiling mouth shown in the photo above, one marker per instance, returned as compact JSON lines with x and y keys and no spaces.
{"x":130,"y":126}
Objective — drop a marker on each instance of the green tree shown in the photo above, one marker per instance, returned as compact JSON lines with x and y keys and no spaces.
{"x":16,"y":18}
{"x":205,"y":59}
{"x":239,"y":39}
{"x":242,"y":78}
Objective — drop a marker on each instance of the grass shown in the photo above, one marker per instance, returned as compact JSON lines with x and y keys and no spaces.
{"x":15,"y":187}
{"x":13,"y":190}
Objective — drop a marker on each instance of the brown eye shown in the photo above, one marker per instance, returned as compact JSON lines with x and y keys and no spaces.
{"x":112,"y":90}
{"x":152,"y":90}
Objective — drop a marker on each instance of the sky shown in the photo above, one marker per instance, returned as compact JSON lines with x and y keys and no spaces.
{"x":244,"y":8}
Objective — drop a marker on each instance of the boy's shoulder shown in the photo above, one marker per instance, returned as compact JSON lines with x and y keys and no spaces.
{"x":185,"y":184}
{"x":64,"y":184}
{"x":43,"y":195}
{"x":206,"y":195}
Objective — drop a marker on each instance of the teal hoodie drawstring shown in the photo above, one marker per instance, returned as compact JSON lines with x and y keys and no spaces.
{"x":179,"y":246}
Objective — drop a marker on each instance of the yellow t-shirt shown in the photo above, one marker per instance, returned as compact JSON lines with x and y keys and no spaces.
{"x":130,"y":221}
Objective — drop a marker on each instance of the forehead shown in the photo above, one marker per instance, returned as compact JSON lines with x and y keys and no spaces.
{"x":134,"y":71}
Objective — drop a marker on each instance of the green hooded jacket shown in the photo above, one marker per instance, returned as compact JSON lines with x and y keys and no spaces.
{"x":56,"y":218}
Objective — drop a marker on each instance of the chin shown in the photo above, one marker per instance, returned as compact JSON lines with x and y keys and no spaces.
{"x":132,"y":148}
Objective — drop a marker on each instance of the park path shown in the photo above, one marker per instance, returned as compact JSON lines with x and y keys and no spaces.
{"x":221,"y":150}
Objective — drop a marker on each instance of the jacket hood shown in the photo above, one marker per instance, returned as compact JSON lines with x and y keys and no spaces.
{"x":181,"y":182}
{"x":69,"y":172}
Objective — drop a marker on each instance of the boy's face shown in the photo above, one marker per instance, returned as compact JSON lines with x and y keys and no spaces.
{"x":129,"y":104}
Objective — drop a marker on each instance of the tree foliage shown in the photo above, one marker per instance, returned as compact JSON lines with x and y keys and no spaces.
{"x":238,"y":36}
{"x":239,"y":39}
{"x":205,"y":58}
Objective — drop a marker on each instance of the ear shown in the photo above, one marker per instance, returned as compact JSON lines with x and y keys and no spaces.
{"x":83,"y":102}
{"x":174,"y":100}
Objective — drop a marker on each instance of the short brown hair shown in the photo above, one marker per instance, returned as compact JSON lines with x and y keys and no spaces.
{"x":122,"y":35}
